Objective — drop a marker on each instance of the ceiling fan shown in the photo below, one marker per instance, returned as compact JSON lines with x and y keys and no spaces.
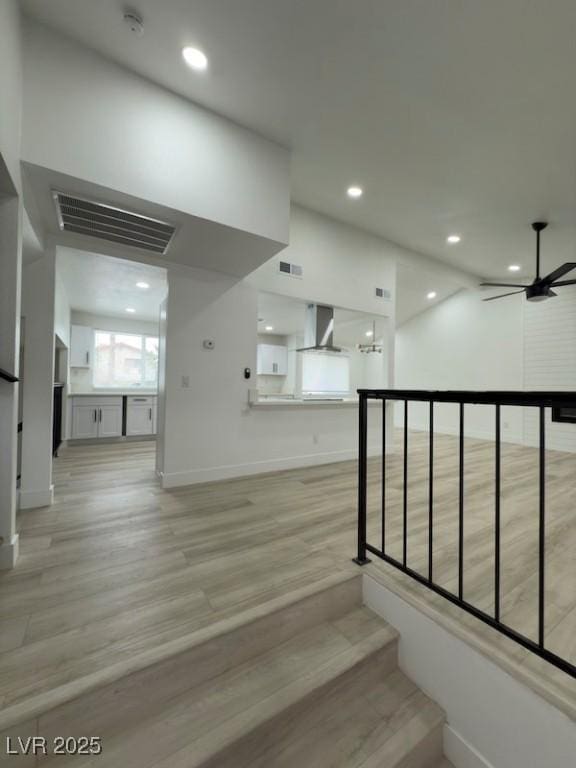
{"x":541,"y":287}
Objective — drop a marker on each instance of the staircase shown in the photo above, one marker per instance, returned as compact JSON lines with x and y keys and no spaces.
{"x":307,"y":680}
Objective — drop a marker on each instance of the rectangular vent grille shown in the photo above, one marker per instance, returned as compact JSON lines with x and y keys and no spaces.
{"x":294,"y":270}
{"x":86,"y":217}
{"x":383,"y":293}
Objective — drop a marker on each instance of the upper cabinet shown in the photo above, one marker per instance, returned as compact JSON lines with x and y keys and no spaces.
{"x":272,"y":360}
{"x":81,"y":346}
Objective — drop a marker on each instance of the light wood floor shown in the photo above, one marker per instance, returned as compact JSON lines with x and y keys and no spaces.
{"x":118,"y":565}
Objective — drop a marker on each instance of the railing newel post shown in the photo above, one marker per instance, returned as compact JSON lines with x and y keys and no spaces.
{"x":361,"y":558}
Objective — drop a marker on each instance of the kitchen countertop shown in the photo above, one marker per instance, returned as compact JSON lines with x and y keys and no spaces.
{"x":293,"y":403}
{"x":115,"y":393}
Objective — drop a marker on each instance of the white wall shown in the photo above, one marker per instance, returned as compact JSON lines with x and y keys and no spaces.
{"x":493,"y":720}
{"x":10,"y":89}
{"x":62,"y":312}
{"x":38,"y":309}
{"x":140,"y":139}
{"x":342,"y":265}
{"x":550,"y":361}
{"x":121,"y":323}
{"x":464,"y":343}
{"x":10,"y":269}
{"x":211,"y":432}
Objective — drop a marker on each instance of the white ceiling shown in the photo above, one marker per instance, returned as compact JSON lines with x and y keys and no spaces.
{"x":103,"y":285}
{"x":454,"y":115}
{"x":287,"y":317}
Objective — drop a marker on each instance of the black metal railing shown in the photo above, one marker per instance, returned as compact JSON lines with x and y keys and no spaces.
{"x":538,"y":400}
{"x":8,"y":376}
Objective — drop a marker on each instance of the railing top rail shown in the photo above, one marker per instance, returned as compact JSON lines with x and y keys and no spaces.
{"x":476,"y":397}
{"x":8,"y":376}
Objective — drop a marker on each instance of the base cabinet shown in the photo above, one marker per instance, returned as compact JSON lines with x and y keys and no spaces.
{"x":140,"y":420}
{"x":84,"y":421}
{"x":110,"y":421}
{"x":94,"y":417}
{"x":113,"y":416}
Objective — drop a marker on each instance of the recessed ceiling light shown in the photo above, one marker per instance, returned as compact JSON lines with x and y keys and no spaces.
{"x":131,"y":310}
{"x":369,"y":333}
{"x":514,"y":268}
{"x":453,"y":239}
{"x":355,"y":192}
{"x":431,"y":295}
{"x":142,"y":285}
{"x":195,"y":58}
{"x":269,"y":328}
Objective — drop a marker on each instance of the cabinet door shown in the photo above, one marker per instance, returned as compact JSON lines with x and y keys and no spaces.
{"x":110,"y":421}
{"x":280,"y":361}
{"x":84,"y":421}
{"x":81,"y":343}
{"x":140,"y":420}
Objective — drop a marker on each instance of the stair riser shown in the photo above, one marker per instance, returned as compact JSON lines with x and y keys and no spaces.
{"x":116,"y":706}
{"x":242,"y":753}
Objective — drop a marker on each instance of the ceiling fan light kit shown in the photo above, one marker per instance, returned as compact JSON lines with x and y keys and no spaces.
{"x":541,"y":287}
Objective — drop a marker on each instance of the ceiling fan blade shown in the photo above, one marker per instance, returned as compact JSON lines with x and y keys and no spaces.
{"x":563,"y":282}
{"x":501,"y":296}
{"x":560,"y":272}
{"x":504,"y":285}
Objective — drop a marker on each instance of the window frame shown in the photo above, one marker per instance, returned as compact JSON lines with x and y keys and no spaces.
{"x":143,"y":341}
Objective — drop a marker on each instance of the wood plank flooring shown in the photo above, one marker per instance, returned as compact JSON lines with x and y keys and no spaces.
{"x":118,"y":565}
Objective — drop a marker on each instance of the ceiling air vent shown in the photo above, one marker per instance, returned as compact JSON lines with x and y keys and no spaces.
{"x":294,"y":270}
{"x":86,"y":217}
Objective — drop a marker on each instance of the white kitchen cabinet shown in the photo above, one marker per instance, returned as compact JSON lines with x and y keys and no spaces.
{"x":140,"y":415}
{"x":110,"y":421}
{"x":272,"y":360}
{"x":95,"y":417}
{"x":81,"y":346}
{"x":84,"y":422}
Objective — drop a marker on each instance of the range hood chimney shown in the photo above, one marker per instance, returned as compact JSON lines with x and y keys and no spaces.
{"x":319,"y":329}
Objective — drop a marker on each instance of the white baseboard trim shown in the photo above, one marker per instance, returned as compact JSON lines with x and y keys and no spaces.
{"x":9,"y":553}
{"x":34,"y":498}
{"x":461,"y":753}
{"x":211,"y":474}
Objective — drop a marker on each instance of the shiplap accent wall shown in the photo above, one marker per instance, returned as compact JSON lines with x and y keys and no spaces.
{"x":550,"y":361}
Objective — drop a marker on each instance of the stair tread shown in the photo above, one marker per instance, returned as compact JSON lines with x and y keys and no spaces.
{"x":192,"y":726}
{"x":346,"y":728}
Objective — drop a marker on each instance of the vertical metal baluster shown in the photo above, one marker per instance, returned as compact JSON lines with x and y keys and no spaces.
{"x":405,"y":536}
{"x":542,"y":530}
{"x":431,"y":492}
{"x":384,"y":476}
{"x":497,"y":521}
{"x":361,"y":559}
{"x":461,"y":509}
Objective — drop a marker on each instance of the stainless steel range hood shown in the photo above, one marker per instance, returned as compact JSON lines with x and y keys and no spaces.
{"x":319,"y":329}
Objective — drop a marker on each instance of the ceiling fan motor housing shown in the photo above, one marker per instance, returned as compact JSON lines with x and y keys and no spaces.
{"x":539,"y":292}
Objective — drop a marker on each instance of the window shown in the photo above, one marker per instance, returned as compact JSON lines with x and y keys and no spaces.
{"x":125,"y":360}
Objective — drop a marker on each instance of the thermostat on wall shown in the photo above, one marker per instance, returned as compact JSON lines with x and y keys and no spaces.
{"x":208,"y":343}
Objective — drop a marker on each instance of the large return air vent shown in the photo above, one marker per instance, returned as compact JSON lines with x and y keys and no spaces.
{"x":86,"y":217}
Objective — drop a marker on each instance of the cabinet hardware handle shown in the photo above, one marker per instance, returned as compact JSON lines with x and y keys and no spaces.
{"x":100,"y":414}
{"x":87,"y":358}
{"x":150,"y":414}
{"x":95,"y":416}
